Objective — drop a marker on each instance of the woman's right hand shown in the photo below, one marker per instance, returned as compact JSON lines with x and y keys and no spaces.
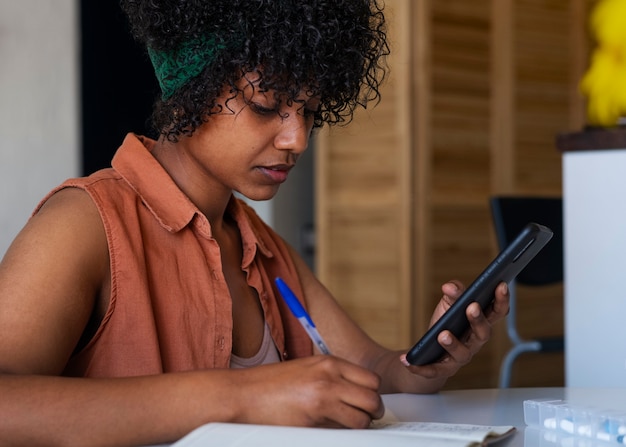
{"x":321,"y":390}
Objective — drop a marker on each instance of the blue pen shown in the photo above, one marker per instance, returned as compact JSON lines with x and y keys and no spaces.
{"x":303,"y":317}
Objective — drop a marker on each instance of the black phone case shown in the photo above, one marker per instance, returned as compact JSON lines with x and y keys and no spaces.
{"x":505,"y":267}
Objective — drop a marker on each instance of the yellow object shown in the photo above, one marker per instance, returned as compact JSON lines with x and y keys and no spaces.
{"x":604,"y":84}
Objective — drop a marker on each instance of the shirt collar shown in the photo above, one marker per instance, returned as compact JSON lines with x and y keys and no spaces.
{"x":169,"y":205}
{"x":135,"y":163}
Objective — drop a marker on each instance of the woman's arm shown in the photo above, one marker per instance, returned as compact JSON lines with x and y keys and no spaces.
{"x":51,"y":283}
{"x":50,"y":279}
{"x":314,"y":391}
{"x":348,"y":341}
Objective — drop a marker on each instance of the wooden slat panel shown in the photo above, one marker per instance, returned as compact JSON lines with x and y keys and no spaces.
{"x":421,"y":66}
{"x":364,"y":271}
{"x":460,"y":95}
{"x":364,"y":207}
{"x":551,"y":54}
{"x":460,"y":154}
{"x":542,"y":92}
{"x":541,"y":96}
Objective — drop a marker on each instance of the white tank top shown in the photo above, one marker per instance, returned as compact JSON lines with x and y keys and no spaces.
{"x":267,"y":354}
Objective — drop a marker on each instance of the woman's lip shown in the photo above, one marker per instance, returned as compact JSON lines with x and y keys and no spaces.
{"x":277,"y":174}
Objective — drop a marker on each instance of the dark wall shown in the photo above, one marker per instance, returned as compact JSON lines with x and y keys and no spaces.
{"x":118,"y":86}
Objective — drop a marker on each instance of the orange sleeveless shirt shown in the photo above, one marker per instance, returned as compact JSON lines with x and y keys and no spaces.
{"x":170,"y":307}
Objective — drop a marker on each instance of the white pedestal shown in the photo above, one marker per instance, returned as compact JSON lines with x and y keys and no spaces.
{"x":594,"y":192}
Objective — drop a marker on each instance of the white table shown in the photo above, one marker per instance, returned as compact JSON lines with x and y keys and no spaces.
{"x":499,"y":407}
{"x":502,"y":406}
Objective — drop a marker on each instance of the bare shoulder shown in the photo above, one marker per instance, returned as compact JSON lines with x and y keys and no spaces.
{"x":49,"y":279}
{"x":66,"y":227}
{"x":69,"y":201}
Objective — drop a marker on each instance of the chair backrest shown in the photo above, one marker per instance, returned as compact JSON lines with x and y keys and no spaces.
{"x":511,"y":213}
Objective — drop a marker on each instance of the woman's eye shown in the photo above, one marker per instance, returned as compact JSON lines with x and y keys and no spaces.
{"x":262,"y":110}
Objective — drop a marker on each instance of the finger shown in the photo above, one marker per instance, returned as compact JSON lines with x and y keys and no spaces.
{"x":361,"y":389}
{"x":332,"y":393}
{"x":357,"y":388}
{"x":443,"y":368}
{"x":427,"y":371}
{"x":357,"y":406}
{"x":458,"y":352}
{"x":347,"y":416}
{"x":359,"y":376}
{"x":364,"y":400}
{"x":453,"y":289}
{"x":480,"y":327}
{"x":501,"y":302}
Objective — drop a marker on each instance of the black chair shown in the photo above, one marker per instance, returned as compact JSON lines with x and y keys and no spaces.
{"x":510,"y":214}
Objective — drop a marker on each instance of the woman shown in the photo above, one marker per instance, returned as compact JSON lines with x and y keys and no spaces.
{"x":139,"y":303}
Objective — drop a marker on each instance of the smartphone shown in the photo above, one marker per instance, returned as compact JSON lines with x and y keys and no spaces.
{"x":504,"y":268}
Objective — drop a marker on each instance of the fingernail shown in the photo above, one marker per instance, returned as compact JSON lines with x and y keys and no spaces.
{"x":446,"y":339}
{"x":475,"y":311}
{"x":404,"y":361}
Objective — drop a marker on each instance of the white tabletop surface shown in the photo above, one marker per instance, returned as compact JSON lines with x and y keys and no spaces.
{"x":500,"y":407}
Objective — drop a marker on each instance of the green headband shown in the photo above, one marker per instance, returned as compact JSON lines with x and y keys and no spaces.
{"x":175,"y":68}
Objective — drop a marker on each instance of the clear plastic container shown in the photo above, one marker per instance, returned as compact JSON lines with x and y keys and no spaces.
{"x":576,"y":421}
{"x":537,"y":410}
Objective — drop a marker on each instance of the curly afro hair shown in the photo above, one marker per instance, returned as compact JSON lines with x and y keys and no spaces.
{"x":333,"y":49}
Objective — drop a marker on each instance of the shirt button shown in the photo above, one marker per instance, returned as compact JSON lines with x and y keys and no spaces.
{"x":285,"y":355}
{"x":221,"y":343}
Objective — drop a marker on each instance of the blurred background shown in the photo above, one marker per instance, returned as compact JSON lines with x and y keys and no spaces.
{"x":387,"y":209}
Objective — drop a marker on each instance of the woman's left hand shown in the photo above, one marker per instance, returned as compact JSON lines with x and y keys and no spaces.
{"x":460,"y":351}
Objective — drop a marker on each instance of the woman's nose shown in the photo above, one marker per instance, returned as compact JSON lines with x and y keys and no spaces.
{"x":294,"y":132}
